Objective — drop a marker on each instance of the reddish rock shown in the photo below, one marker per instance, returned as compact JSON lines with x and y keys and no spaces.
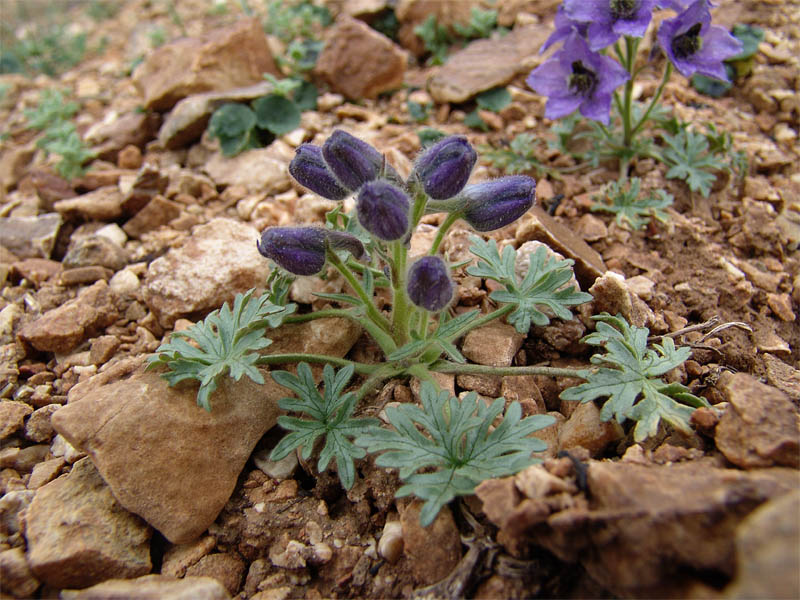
{"x":494,"y":344}
{"x":159,"y":211}
{"x":227,"y":58}
{"x":118,"y":137}
{"x":103,"y":204}
{"x":36,"y":270}
{"x":225,"y":567}
{"x":585,"y":428}
{"x":359,"y":62}
{"x":149,"y":182}
{"x":30,"y":237}
{"x":432,"y":552}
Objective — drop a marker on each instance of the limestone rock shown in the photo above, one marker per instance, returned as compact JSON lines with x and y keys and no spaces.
{"x":485,"y":64}
{"x":227,"y":568}
{"x":30,"y":237}
{"x":232,"y":57}
{"x":188,"y":119}
{"x":612,"y":295}
{"x":16,"y":578}
{"x":359,"y":62}
{"x":102,"y":204}
{"x":62,"y":329}
{"x":159,"y":211}
{"x":116,"y":131}
{"x":95,"y":250}
{"x":219,"y":260}
{"x":760,"y":427}
{"x":146,"y":185}
{"x":494,"y":344}
{"x":179,"y":471}
{"x":585,"y":428}
{"x":79,"y":535}
{"x":259,"y":170}
{"x":180,"y":557}
{"x":12,"y":416}
{"x":152,"y":587}
{"x":432,"y":551}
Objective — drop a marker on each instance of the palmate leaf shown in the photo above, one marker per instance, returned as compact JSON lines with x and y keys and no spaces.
{"x":227,"y":341}
{"x":689,"y":157}
{"x":330,"y":416}
{"x":446,"y":333}
{"x":453,"y":437}
{"x":543,"y":284}
{"x":629,"y":376}
{"x":627,"y":206}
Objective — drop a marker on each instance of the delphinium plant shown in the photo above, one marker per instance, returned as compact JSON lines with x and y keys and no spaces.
{"x":446,"y":446}
{"x":596,"y":67}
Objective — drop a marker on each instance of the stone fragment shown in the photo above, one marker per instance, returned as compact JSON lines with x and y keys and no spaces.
{"x":612,"y":295}
{"x":495,"y":344}
{"x":146,"y":185}
{"x":485,"y":385}
{"x":390,"y":546}
{"x":260,"y":170}
{"x":359,"y":62}
{"x":432,"y":552}
{"x":78,"y":534}
{"x":30,"y":237}
{"x":36,"y":270}
{"x":45,"y":472}
{"x":38,"y":428}
{"x":13,"y":505}
{"x":166,"y":472}
{"x":12,"y":416}
{"x":537,"y":225}
{"x":768,"y":551}
{"x":16,"y":578}
{"x":180,"y":557}
{"x":23,"y":459}
{"x":225,"y":567}
{"x":784,"y":377}
{"x":641,"y":286}
{"x":115,"y":132}
{"x":227,"y":58}
{"x":188,"y":119}
{"x":276,"y":469}
{"x":82,"y":275}
{"x":62,"y":329}
{"x":485,"y":64}
{"x":130,"y":157}
{"x":95,"y":250}
{"x":10,"y":317}
{"x":591,"y":228}
{"x":523,"y":389}
{"x":159,"y":211}
{"x":781,"y":306}
{"x":152,"y":587}
{"x":626,"y":538}
{"x":219,"y":260}
{"x":585,"y":428}
{"x":760,"y":427}
{"x":768,"y":341}
{"x":102,"y":204}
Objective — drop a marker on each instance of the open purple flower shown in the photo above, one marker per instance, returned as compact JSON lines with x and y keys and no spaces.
{"x":429,"y":284}
{"x":693,"y":45}
{"x":609,"y":19}
{"x":494,"y":204}
{"x":310,"y":170}
{"x":575,"y":77}
{"x":564,"y":26}
{"x":444,"y":168}
{"x":382,"y":210}
{"x":302,"y":250}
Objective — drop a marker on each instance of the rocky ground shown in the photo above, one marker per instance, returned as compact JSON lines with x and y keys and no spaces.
{"x":111,"y":479}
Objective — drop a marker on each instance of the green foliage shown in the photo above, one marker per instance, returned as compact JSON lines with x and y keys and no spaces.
{"x":233,"y":125}
{"x":45,"y":48}
{"x":495,"y":99}
{"x":518,"y":157}
{"x":481,"y":24}
{"x":689,"y":156}
{"x":419,"y":112}
{"x":629,"y":208}
{"x":101,"y":10}
{"x":459,"y":445}
{"x":301,"y":56}
{"x":52,"y":108}
{"x":386,"y":23}
{"x":436,"y":38}
{"x":737,"y":66}
{"x":330,"y":416}
{"x":543,"y":284}
{"x":441,"y":340}
{"x":157,"y":36}
{"x":276,"y":113}
{"x":227,"y":342}
{"x":291,"y":19}
{"x":429,"y":136}
{"x":629,"y":375}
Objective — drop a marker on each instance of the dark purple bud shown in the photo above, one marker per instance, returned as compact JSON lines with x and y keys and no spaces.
{"x":301,"y":250}
{"x":382,"y":210}
{"x":429,"y":284}
{"x":352,"y":161}
{"x":310,"y":170}
{"x":494,"y":204}
{"x":445,"y":167}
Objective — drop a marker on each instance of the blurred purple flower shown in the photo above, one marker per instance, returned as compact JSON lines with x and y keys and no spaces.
{"x":564,"y":27}
{"x":301,"y":250}
{"x":609,"y":19}
{"x":382,"y":210}
{"x":575,"y":77}
{"x":429,"y":283}
{"x":445,"y":167}
{"x":309,"y":169}
{"x":494,"y":204}
{"x":693,"y":45}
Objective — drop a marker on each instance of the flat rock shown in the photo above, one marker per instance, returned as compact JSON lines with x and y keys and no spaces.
{"x":613,"y":295}
{"x":116,"y":131}
{"x":102,"y":204}
{"x":219,"y":260}
{"x":79,"y":535}
{"x":537,"y":225}
{"x":494,"y":344}
{"x":152,"y":587}
{"x":95,"y":250}
{"x":359,"y":62}
{"x":784,"y":377}
{"x":485,"y":64}
{"x":188,"y":119}
{"x":760,"y":426}
{"x":15,"y":575}
{"x":62,"y":329}
{"x":227,"y":58}
{"x":159,"y":211}
{"x":30,"y":237}
{"x":585,"y":428}
{"x":259,"y":170}
{"x":648,"y":527}
{"x":12,"y":416}
{"x":433,"y":551}
{"x":179,"y":471}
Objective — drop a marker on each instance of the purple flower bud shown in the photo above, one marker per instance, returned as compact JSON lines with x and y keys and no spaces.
{"x":383,"y":210}
{"x":301,"y":250}
{"x":310,"y":170}
{"x":445,"y":167}
{"x":429,"y":284}
{"x":352,"y":161}
{"x":494,"y":204}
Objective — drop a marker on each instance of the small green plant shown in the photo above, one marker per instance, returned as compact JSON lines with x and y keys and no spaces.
{"x":295,"y":19}
{"x":239,"y":127}
{"x":494,"y":100}
{"x":691,"y":158}
{"x":629,"y":208}
{"x":157,"y":36}
{"x":52,"y":117}
{"x":102,"y":10}
{"x":481,"y":24}
{"x":519,"y":156}
{"x":438,"y":38}
{"x":45,"y":48}
{"x":419,"y":112}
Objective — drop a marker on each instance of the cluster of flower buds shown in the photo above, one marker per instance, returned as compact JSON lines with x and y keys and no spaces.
{"x":345,"y":165}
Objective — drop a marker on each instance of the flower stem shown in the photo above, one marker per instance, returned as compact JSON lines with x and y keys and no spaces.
{"x":296,"y":357}
{"x":631,"y":45}
{"x":654,"y":101}
{"x":443,"y":228}
{"x":383,"y":339}
{"x":400,"y":304}
{"x":446,"y":366}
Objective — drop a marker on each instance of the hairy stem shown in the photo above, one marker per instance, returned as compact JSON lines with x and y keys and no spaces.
{"x":654,"y":101}
{"x":443,"y":228}
{"x":372,"y":312}
{"x":400,"y":303}
{"x":280,"y":359}
{"x":446,"y":366}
